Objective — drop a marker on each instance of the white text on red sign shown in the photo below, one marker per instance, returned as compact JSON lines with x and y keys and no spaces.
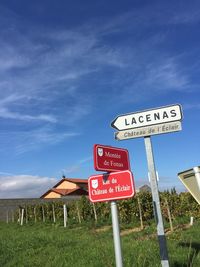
{"x":112,"y":186}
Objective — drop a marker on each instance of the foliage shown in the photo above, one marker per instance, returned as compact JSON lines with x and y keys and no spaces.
{"x":179,"y":205}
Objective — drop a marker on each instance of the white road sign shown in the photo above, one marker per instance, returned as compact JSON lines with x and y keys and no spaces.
{"x":148,"y":117}
{"x":191,"y":180}
{"x":149,"y":130}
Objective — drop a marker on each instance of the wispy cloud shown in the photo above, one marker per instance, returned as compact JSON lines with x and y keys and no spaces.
{"x":48,"y":77}
{"x":58,"y":60}
{"x":21,"y":142}
{"x":6,"y":114}
{"x":191,"y":106}
{"x":24,"y":186}
{"x":166,"y":75}
{"x":73,"y":169}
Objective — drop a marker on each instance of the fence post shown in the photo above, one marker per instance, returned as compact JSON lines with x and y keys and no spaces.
{"x":78,"y":212}
{"x":13,"y":217}
{"x":95,"y":213}
{"x":7,"y":218}
{"x":35,"y":214}
{"x":54,"y":216}
{"x":43,"y":214}
{"x":169,"y":215}
{"x":22,"y":217}
{"x":26,"y":213}
{"x":140,"y":213}
{"x":19,"y":215}
{"x":65,"y":214}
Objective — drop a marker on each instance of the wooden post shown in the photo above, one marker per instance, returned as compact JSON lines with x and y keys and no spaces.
{"x":95,"y":213}
{"x":43,"y":214}
{"x":19,"y":213}
{"x":13,"y":217}
{"x":78,"y":212}
{"x":169,"y":215}
{"x":26,"y":212}
{"x":35,"y":214}
{"x":7,"y":218}
{"x":140,"y":213}
{"x":53,"y":211}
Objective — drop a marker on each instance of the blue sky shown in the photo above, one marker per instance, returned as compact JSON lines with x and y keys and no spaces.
{"x":68,"y":68}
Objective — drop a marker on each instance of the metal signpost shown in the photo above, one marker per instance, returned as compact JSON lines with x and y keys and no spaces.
{"x":116,"y":234}
{"x":144,"y":124}
{"x":112,"y":186}
{"x":156,"y":203}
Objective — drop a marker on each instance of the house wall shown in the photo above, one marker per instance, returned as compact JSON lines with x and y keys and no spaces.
{"x":52,"y":195}
{"x":66,"y":185}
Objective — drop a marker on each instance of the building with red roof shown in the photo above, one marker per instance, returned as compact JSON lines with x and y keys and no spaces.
{"x":67,"y":187}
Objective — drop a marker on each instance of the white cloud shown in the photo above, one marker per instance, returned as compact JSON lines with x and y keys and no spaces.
{"x":166,"y":75}
{"x":21,"y":142}
{"x":6,"y":114}
{"x":58,"y":60}
{"x":24,"y":186}
{"x":188,"y":15}
{"x":50,"y":71}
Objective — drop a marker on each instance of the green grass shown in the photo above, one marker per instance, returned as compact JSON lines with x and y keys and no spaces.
{"x":53,"y":245}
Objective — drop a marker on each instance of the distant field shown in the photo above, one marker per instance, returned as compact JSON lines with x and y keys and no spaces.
{"x":53,"y":245}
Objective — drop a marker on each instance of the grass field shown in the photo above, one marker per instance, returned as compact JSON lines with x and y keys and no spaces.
{"x":92,"y":246}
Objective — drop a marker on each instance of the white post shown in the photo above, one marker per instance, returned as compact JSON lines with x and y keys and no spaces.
{"x":191,"y":220}
{"x":65,"y":215}
{"x":22,"y":217}
{"x":53,"y":211}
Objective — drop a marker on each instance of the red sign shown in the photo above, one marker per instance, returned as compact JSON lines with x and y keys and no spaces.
{"x":111,"y":186}
{"x":107,"y":158}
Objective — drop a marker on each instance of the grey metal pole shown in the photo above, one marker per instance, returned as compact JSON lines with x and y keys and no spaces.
{"x":116,"y":234}
{"x":156,"y":203}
